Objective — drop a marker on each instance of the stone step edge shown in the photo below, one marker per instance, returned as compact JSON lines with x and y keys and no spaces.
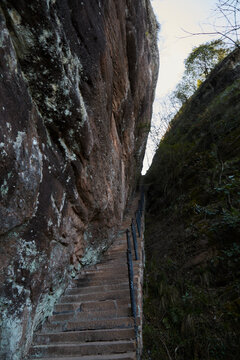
{"x":83,"y":331}
{"x":89,"y":301}
{"x":102,"y":285}
{"x":56,"y":318}
{"x":96,"y":288}
{"x":127,"y":304}
{"x":118,"y":356}
{"x":81,"y":344}
{"x":78,"y":324}
{"x":108,"y":266}
{"x":110,"y":292}
{"x":92,"y":321}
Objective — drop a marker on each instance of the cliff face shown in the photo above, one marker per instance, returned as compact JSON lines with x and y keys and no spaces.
{"x":193,"y":226}
{"x":77,"y":82}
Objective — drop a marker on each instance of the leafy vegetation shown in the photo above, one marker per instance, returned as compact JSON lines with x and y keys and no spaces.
{"x":198,"y":66}
{"x":192,"y":277}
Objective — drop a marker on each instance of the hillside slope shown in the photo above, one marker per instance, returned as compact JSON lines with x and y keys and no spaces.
{"x":192,"y":284}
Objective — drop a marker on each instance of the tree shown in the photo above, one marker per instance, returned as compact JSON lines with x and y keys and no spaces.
{"x":203,"y":58}
{"x":200,"y":62}
{"x":198,"y":66}
{"x":185,"y":88}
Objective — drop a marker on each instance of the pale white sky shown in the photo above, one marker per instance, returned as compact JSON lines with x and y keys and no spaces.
{"x":174,"y":44}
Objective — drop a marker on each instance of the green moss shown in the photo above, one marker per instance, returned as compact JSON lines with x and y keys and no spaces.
{"x":4,"y":188}
{"x":192,"y":278}
{"x":186,"y":311}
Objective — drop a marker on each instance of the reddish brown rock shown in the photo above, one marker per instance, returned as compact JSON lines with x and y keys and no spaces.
{"x":77,"y":81}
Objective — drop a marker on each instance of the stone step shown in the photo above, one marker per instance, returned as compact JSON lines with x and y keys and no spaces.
{"x":121,"y":253}
{"x":113,"y":270}
{"x":110,"y":295}
{"x":88,"y":315}
{"x":87,"y":277}
{"x":66,"y":308}
{"x":96,"y":288}
{"x":108,"y":275}
{"x":122,"y":322}
{"x":91,"y":348}
{"x":87,"y":280}
{"x":100,"y":280}
{"x":121,"y":356}
{"x":103,"y":305}
{"x":123,"y":246}
{"x":111,"y":260}
{"x":85,"y":336}
{"x":112,"y":265}
{"x":120,"y":241}
{"x":119,"y":248}
{"x":116,"y":257}
{"x":90,"y":306}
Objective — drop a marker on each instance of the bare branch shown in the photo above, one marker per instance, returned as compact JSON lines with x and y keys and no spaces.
{"x":226,"y":23}
{"x":215,"y":33}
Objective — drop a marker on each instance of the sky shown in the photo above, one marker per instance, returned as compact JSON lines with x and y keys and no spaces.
{"x":175,"y":16}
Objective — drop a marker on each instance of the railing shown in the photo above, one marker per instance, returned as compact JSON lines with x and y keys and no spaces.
{"x":134,"y":236}
{"x":131,"y":280}
{"x":139,"y":213}
{"x":138,"y":221}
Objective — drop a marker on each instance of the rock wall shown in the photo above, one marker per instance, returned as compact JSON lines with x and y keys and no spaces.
{"x":77,"y":82}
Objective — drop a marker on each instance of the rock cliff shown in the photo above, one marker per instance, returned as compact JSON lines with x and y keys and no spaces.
{"x":77,"y":82}
{"x":193,"y":226}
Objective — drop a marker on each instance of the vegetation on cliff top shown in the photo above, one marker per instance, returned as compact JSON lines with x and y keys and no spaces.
{"x":198,"y":65}
{"x":192,"y":282}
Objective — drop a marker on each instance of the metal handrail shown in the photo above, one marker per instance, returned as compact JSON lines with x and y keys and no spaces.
{"x":138,"y":221}
{"x":131,"y":280}
{"x":134,"y":237}
{"x":141,"y":202}
{"x":138,"y":215}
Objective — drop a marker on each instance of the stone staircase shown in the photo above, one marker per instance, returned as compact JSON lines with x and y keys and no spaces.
{"x":92,"y":320}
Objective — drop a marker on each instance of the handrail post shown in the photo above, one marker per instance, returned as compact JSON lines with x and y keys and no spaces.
{"x":142,"y":199}
{"x":134,"y":236}
{"x":138,"y":221}
{"x":140,"y":207}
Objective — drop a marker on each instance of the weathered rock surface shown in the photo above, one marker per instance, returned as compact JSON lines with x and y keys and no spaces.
{"x":77,"y":82}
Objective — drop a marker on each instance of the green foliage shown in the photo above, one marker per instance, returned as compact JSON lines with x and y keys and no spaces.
{"x":198,"y":66}
{"x":187,"y":315}
{"x":205,"y":57}
{"x":186,"y":87}
{"x":192,"y":277}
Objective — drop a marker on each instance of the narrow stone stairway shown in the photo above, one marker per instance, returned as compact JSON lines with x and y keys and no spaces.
{"x":93,"y":319}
